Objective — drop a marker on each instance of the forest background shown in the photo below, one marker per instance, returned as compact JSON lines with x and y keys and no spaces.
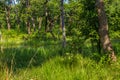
{"x":59,"y":39}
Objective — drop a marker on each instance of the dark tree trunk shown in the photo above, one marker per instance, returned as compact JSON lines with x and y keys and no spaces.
{"x":46,"y":19}
{"x":103,"y":30}
{"x":63,"y":25}
{"x":51,"y":25}
{"x":46,"y":15}
{"x":28,"y":27}
{"x":98,"y":46}
{"x":92,"y":44}
{"x":28,"y":18}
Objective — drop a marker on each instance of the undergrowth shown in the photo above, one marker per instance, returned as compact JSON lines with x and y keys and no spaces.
{"x":26,"y":57}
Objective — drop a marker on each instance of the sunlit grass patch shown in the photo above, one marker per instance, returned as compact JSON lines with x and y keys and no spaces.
{"x":25,"y":57}
{"x":55,"y":69}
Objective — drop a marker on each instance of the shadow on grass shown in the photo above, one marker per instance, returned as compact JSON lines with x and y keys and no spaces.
{"x":27,"y":55}
{"x":34,"y":52}
{"x":92,"y":52}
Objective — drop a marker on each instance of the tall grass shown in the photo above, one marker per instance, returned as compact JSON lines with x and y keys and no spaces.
{"x":31,"y":64}
{"x":24,"y":57}
{"x":56,"y":69}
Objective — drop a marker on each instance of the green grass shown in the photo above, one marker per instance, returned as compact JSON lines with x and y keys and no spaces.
{"x":24,"y":57}
{"x":60,"y":68}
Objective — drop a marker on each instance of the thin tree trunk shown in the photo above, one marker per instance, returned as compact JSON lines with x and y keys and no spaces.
{"x":28,"y":18}
{"x":51,"y":25}
{"x":1,"y":47}
{"x":103,"y":30}
{"x":63,"y":25}
{"x":46,"y":15}
{"x":28,"y":27}
{"x":46,"y":19}
{"x":99,"y":46}
{"x":33,"y":23}
{"x":17,"y":17}
{"x":92,"y":45}
{"x":7,"y":9}
{"x":39,"y":23}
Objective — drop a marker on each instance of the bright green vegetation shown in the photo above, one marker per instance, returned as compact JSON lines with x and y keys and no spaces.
{"x":32,"y":33}
{"x":29,"y":60}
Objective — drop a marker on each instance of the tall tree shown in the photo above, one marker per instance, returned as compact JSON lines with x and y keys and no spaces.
{"x":17,"y":17}
{"x":46,"y":14}
{"x":62,"y":24}
{"x":103,"y":30}
{"x":7,"y":10}
{"x":28,"y":18}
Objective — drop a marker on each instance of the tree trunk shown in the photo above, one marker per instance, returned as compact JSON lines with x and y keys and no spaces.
{"x":103,"y":30}
{"x":39,"y":23}
{"x":7,"y":9}
{"x":1,"y":47}
{"x":99,"y":46}
{"x":33,"y":23}
{"x":63,"y":25}
{"x":92,"y":45}
{"x":46,"y":15}
{"x":28,"y":27}
{"x":28,"y":18}
{"x":17,"y":17}
{"x":50,"y":26}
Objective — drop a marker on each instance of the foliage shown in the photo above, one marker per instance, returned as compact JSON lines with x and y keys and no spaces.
{"x":40,"y":56}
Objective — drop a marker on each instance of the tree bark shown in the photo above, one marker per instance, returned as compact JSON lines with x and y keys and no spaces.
{"x":28,"y":18}
{"x":7,"y":9}
{"x":33,"y":24}
{"x":46,"y":15}
{"x":28,"y":27}
{"x":63,"y":25}
{"x":103,"y":30}
{"x":17,"y":16}
{"x":50,"y":26}
{"x":39,"y":23}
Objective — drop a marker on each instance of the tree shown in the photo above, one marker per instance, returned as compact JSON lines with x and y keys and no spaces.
{"x":17,"y":16}
{"x":103,"y":30}
{"x":2,"y":15}
{"x":46,"y":14}
{"x":62,"y":24}
{"x":28,"y":22}
{"x":7,"y":9}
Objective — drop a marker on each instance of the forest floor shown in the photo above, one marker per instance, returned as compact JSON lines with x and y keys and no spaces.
{"x":24,"y":57}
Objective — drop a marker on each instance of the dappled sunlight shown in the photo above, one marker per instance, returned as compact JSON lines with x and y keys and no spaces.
{"x":59,"y":40}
